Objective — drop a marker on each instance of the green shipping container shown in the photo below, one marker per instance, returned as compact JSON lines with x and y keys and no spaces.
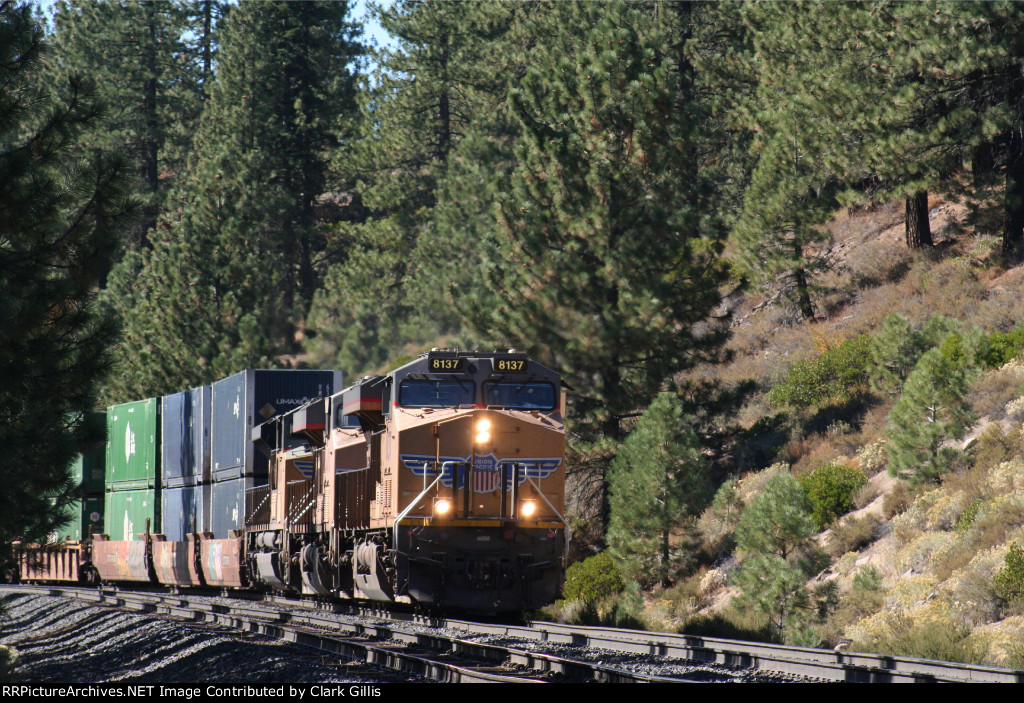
{"x":133,"y":445}
{"x":87,"y":520}
{"x":89,"y":470}
{"x":127,"y":511}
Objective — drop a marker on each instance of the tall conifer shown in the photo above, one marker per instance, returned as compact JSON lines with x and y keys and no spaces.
{"x":60,"y":218}
{"x":446,"y":72}
{"x":236,"y":264}
{"x":604,"y":266}
{"x":149,"y":80}
{"x":658,"y":479}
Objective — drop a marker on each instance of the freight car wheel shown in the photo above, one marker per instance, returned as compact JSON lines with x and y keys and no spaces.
{"x":90,"y":577}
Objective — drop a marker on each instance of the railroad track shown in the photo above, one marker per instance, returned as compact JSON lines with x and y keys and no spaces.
{"x":540,"y":651}
{"x":819,"y":664}
{"x":438,"y":657}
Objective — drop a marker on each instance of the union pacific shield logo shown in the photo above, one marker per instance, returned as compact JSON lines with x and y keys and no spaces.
{"x":487,"y":469}
{"x":486,"y":474}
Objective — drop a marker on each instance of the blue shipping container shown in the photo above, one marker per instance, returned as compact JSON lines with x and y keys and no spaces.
{"x":181,"y":512}
{"x":250,"y":398}
{"x":186,"y":437}
{"x":228,"y":504}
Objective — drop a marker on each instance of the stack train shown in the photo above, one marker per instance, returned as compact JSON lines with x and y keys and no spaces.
{"x":439,"y":484}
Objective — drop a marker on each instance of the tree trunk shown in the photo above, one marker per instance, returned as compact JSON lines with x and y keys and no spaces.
{"x":612,"y":428}
{"x":803,"y":294}
{"x":983,"y":161}
{"x":1013,"y":213}
{"x":207,"y":49}
{"x":918,"y":229}
{"x":151,"y":140}
{"x":664,"y":559}
{"x":799,"y":278}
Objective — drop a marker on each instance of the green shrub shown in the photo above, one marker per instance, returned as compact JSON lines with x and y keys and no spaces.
{"x":968,"y":352}
{"x":1009,"y":582}
{"x":966,"y":519}
{"x":869,"y":578}
{"x":836,"y":377}
{"x":593,"y":579}
{"x":831,"y":490}
{"x":1003,"y":347}
{"x":8,"y":664}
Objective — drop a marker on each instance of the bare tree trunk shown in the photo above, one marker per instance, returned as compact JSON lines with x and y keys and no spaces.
{"x":803,"y":294}
{"x":664,"y":559}
{"x":983,"y":161}
{"x":919,"y":230}
{"x":803,"y":289}
{"x":1013,"y":213}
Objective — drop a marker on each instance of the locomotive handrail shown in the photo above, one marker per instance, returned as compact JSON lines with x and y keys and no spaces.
{"x":555,"y":511}
{"x":251,"y":517}
{"x":300,"y":507}
{"x":416,"y":501}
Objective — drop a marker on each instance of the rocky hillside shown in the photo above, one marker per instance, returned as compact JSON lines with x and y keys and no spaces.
{"x":909,"y":564}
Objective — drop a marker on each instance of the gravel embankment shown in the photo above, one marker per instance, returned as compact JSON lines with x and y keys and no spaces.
{"x":61,"y":640}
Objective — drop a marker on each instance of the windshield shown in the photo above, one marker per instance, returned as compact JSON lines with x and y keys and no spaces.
{"x":520,"y":396}
{"x":343,"y":420}
{"x":436,"y":394}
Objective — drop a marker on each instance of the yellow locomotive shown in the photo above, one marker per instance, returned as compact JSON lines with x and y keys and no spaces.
{"x":441,"y":483}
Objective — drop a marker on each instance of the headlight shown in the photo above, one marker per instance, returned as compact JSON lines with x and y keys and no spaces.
{"x":442,"y":506}
{"x":483,"y":426}
{"x":528,"y":509}
{"x":483,"y":437}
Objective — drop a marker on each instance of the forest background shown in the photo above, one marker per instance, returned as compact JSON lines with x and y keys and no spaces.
{"x":626,"y":190}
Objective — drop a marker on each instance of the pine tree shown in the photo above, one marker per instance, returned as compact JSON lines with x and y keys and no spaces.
{"x":895,"y":348}
{"x":602,"y":265}
{"x":446,"y":73}
{"x":804,"y":146}
{"x":720,"y":47}
{"x":235,"y":265}
{"x":929,"y":88}
{"x":966,"y":92}
{"x":148,"y":79}
{"x":775,"y":536}
{"x":60,"y":218}
{"x":658,"y":479}
{"x":932,"y":409}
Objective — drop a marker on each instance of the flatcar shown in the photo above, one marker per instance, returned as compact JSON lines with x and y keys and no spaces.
{"x":439,"y":484}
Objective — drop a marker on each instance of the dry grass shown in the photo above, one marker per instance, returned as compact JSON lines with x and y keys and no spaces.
{"x":866,"y":495}
{"x":990,"y":394}
{"x":852,"y":534}
{"x":896,"y":501}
